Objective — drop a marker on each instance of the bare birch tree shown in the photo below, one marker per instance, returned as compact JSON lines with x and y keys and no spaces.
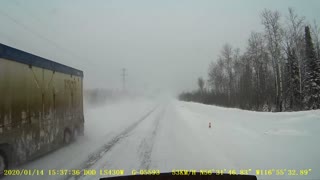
{"x":271,"y":22}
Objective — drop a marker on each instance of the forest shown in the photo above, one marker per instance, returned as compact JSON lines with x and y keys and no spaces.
{"x":279,"y":69}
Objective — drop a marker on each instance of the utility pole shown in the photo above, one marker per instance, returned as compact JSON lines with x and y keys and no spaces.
{"x":124,"y":74}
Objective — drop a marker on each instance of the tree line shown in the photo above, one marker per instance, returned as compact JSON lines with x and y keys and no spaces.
{"x":278,"y":71}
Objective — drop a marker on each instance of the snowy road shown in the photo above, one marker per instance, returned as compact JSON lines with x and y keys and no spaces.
{"x":171,"y":135}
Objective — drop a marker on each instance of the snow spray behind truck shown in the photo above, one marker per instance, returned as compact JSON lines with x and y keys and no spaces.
{"x":41,"y":106}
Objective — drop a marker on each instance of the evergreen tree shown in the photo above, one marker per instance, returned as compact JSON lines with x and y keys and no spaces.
{"x":294,"y":81}
{"x":312,"y":79}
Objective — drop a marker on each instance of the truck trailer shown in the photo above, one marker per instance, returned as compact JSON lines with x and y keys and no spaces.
{"x":41,"y":106}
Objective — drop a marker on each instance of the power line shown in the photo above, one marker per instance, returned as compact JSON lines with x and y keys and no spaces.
{"x":27,"y":11}
{"x":16,"y":21}
{"x":7,"y":36}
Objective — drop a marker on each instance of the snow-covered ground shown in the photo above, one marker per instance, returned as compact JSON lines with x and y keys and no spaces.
{"x":167,"y":135}
{"x":102,"y":124}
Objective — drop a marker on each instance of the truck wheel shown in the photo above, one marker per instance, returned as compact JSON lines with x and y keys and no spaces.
{"x":3,"y":163}
{"x":67,"y":137}
{"x":75,"y":134}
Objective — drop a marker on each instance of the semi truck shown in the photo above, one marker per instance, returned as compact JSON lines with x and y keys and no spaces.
{"x":41,"y":106}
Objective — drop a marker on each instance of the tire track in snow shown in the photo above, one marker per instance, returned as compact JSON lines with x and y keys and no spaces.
{"x":147,"y":143}
{"x":94,"y":157}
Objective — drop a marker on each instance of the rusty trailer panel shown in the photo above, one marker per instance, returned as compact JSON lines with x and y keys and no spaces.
{"x":40,"y":100}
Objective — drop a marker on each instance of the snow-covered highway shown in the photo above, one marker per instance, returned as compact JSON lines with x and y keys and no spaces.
{"x":168,"y":135}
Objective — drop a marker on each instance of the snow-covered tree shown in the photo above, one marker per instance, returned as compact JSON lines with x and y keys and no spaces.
{"x":293,"y":81}
{"x":201,"y":84}
{"x":280,"y":68}
{"x":294,"y":34}
{"x":316,"y":38}
{"x":312,"y":79}
{"x":273,"y":34}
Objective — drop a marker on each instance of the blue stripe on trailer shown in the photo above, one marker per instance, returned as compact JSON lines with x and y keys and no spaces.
{"x":17,"y":55}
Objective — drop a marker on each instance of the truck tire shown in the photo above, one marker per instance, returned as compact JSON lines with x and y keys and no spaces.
{"x":67,"y":137}
{"x":75,"y":134}
{"x":3,"y":163}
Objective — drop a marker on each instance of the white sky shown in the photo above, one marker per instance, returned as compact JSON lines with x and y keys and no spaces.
{"x":163,"y":44}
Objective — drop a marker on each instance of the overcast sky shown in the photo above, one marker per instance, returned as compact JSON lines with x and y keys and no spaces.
{"x":164,"y":44}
